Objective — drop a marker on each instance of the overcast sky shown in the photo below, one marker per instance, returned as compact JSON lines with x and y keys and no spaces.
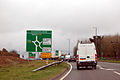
{"x":69,"y":19}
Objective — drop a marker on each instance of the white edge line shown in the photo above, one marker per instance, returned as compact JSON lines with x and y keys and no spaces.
{"x":117,"y":73}
{"x":68,"y":72}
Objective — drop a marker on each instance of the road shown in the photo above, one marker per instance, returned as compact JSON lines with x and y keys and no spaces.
{"x":104,"y":71}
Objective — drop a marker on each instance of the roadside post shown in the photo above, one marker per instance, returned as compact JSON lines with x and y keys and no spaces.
{"x":101,"y":41}
{"x":101,"y":52}
{"x":46,"y":61}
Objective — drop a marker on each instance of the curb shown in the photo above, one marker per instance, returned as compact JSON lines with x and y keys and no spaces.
{"x":63,"y":74}
{"x":67,"y":72}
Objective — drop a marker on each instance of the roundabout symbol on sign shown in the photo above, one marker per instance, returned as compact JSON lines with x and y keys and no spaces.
{"x":37,"y":45}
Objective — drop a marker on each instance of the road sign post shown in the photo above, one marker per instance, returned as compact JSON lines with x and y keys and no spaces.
{"x":32,"y":55}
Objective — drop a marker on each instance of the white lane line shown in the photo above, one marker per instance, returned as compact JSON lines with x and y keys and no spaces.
{"x":117,"y":73}
{"x":68,"y":72}
{"x":101,"y":67}
{"x":105,"y":69}
{"x":110,"y":69}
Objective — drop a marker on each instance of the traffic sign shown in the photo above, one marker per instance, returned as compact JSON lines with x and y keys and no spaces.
{"x":39,"y":41}
{"x":45,"y":55}
{"x":57,"y":52}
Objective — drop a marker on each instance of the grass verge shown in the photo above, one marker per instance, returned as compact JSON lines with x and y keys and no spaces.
{"x":111,"y":61}
{"x":24,"y":71}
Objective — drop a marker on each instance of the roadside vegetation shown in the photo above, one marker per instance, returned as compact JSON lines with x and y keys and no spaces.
{"x":111,"y":61}
{"x":24,"y":71}
{"x":106,"y":47}
{"x":12,"y":67}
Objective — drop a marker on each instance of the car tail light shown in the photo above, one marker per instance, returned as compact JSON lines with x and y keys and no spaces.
{"x":77,"y":58}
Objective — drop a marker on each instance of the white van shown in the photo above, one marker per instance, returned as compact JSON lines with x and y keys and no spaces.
{"x":86,"y":55}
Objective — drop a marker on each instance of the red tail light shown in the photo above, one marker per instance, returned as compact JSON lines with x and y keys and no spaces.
{"x":77,"y":58}
{"x":96,"y":57}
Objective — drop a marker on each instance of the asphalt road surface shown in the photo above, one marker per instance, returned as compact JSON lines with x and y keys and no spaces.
{"x":104,"y":71}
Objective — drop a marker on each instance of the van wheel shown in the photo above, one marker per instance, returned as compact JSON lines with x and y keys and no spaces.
{"x":95,"y":67}
{"x":77,"y":67}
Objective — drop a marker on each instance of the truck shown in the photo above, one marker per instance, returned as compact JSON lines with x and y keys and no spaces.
{"x":86,"y":55}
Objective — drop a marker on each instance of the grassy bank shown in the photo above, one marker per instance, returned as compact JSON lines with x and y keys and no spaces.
{"x":24,"y":71}
{"x":112,"y":61}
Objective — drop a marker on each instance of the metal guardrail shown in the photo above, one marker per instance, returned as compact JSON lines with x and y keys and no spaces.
{"x":40,"y":68}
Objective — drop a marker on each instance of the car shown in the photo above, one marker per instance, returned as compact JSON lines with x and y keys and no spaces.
{"x":72,"y":59}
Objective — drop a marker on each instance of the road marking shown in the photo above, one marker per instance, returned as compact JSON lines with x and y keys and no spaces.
{"x":68,"y":72}
{"x":101,"y":67}
{"x":105,"y":69}
{"x":109,"y":70}
{"x":117,"y":73}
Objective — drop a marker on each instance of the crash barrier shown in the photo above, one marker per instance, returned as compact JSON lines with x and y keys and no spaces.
{"x":40,"y":68}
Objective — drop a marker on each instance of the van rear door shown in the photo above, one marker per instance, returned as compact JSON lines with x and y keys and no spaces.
{"x":86,"y":53}
{"x":90,"y":54}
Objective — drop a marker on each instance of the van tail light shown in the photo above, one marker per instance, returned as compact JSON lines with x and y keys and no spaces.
{"x":96,"y":57}
{"x":77,"y":58}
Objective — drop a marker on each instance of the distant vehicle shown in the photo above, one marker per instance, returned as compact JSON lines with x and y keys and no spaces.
{"x":67,"y":57}
{"x":72,"y":59}
{"x":62,"y":58}
{"x":86,"y":55}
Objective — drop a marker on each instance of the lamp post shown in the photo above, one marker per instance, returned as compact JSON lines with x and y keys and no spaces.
{"x":69,"y":47}
{"x":96,"y":36}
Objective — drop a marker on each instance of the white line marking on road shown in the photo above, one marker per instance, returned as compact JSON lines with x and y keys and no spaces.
{"x":110,"y":69}
{"x":117,"y":73}
{"x":68,"y":72}
{"x":105,"y":69}
{"x":101,"y":67}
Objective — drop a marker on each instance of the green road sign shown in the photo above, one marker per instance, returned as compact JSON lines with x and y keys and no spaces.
{"x":39,"y":41}
{"x":56,"y":52}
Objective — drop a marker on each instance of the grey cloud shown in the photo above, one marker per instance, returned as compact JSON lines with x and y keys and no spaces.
{"x":72,"y":19}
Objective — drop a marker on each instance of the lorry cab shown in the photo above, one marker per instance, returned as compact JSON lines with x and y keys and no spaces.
{"x":86,"y":55}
